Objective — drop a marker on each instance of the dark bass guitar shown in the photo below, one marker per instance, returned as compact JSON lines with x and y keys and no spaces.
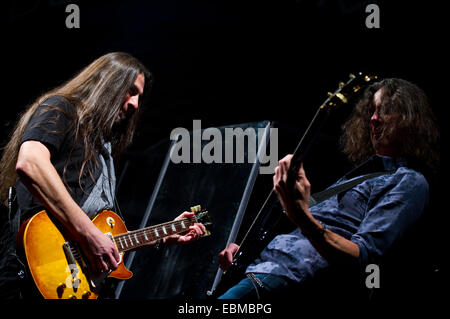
{"x":270,"y":221}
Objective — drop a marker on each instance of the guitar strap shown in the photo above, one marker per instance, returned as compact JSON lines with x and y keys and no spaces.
{"x":329,"y":192}
{"x":13,"y":210}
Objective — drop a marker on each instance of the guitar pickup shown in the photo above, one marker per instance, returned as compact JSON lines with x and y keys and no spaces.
{"x":72,"y":255}
{"x":69,"y":254}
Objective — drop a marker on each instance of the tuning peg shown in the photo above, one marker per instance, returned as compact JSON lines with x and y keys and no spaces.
{"x":207,"y":233}
{"x":368,"y":78}
{"x":342,"y":97}
{"x":356,"y":88}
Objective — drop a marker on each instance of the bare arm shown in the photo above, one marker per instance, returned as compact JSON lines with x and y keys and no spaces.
{"x":42,"y":180}
{"x":295,"y":200}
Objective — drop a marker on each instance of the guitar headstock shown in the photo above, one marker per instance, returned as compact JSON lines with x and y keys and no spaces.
{"x":347,"y":90}
{"x":202,"y":216}
{"x":343,"y":95}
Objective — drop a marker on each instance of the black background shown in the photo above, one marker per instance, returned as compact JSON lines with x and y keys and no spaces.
{"x":222,"y":61}
{"x":228,"y":62}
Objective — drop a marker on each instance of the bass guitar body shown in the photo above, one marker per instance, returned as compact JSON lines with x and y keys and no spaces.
{"x":56,"y":264}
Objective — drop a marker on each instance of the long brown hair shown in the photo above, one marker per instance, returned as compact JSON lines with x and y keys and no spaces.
{"x":97,"y":92}
{"x":414,"y":131}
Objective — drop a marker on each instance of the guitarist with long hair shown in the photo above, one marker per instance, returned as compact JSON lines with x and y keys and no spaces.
{"x":60,"y":157}
{"x":392,"y":130}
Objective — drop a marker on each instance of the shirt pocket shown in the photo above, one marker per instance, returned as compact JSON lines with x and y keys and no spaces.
{"x":354,"y":203}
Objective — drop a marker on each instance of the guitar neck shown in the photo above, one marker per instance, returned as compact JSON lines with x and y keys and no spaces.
{"x":341,"y":96}
{"x":135,"y":239}
{"x":307,"y":140}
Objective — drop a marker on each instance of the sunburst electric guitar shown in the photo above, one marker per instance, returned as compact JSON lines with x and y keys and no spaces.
{"x":58,"y":266}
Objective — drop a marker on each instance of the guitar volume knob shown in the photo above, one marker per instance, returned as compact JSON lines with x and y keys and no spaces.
{"x":86,"y":295}
{"x":62,"y":286}
{"x":60,"y":289}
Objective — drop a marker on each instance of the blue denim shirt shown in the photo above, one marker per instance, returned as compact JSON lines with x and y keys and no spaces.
{"x":372,"y":214}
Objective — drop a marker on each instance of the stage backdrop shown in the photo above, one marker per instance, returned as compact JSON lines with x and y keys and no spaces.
{"x":186,"y":271}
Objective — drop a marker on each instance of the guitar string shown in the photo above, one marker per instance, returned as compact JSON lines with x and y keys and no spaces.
{"x":322,"y":106}
{"x":127,"y":237}
{"x":250,"y":229}
{"x":158,"y":228}
{"x":140,"y":234}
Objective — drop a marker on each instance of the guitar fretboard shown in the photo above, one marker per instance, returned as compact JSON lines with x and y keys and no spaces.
{"x":134,"y":239}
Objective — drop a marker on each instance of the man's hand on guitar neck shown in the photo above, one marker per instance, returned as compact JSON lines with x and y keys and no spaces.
{"x":195,"y":232}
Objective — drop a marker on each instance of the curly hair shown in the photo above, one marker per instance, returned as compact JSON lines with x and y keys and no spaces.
{"x":413,"y":131}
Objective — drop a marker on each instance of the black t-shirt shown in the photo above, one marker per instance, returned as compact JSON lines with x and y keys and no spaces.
{"x":53,"y":125}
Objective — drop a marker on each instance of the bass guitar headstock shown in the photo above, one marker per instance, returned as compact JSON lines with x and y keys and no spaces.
{"x":347,"y":90}
{"x":343,"y":95}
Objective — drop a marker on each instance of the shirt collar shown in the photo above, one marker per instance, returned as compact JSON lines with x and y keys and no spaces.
{"x":390,"y":163}
{"x":377,"y":163}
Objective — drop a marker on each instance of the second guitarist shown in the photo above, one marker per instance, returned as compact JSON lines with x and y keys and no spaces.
{"x":391,"y":129}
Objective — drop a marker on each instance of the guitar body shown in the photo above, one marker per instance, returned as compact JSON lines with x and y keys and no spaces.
{"x":50,"y":260}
